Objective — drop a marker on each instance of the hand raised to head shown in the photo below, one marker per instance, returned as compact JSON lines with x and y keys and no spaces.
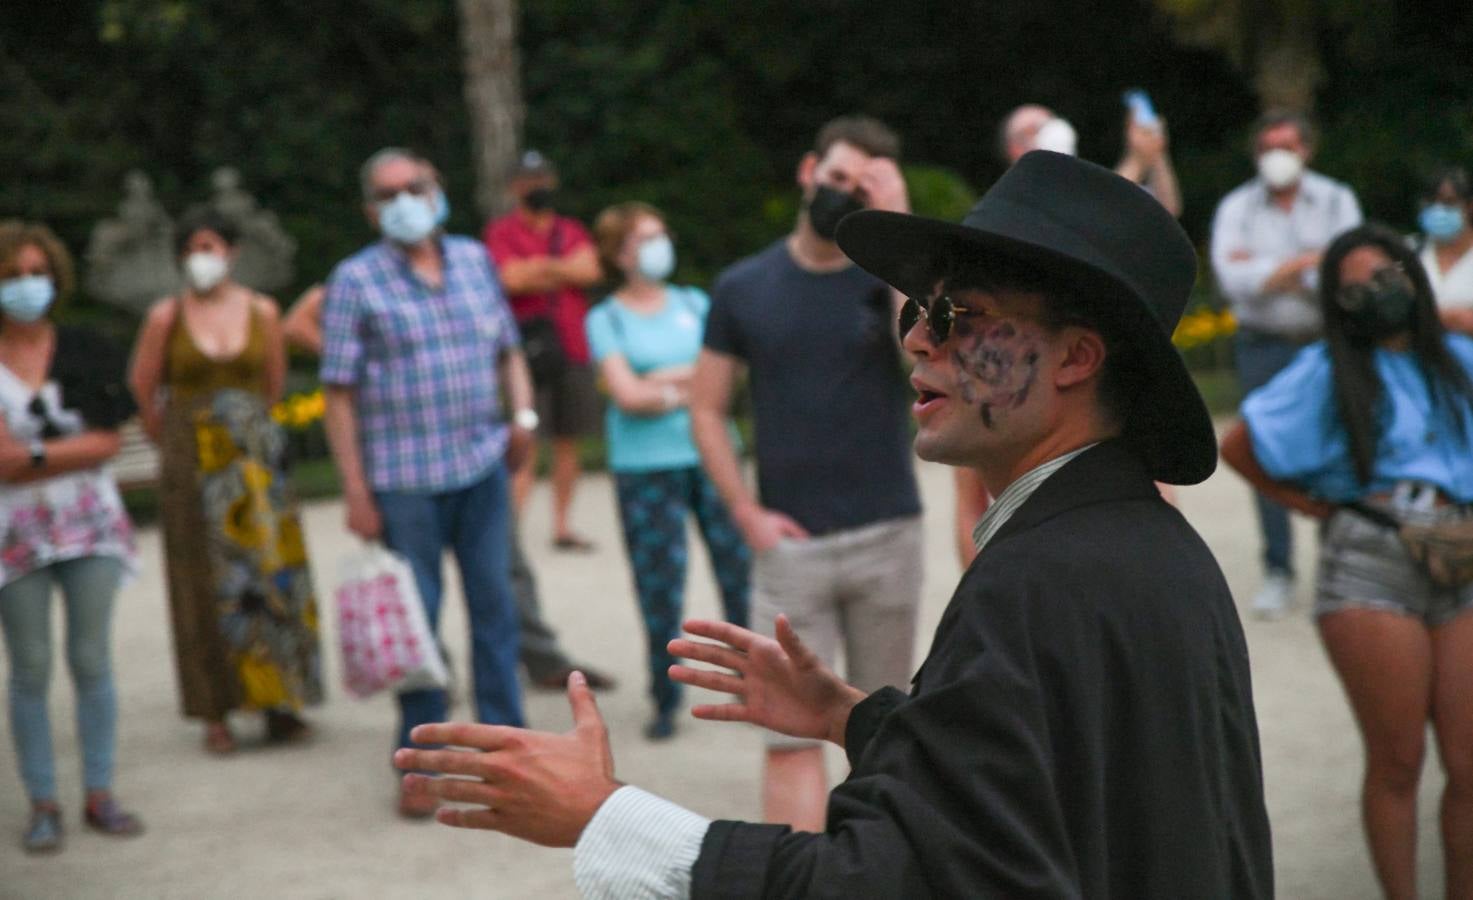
{"x":883,"y":186}
{"x":779,"y":683}
{"x":533,"y":785}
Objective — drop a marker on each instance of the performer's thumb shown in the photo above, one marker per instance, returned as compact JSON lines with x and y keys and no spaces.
{"x":580,"y":698}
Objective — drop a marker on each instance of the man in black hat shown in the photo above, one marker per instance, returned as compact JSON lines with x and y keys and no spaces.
{"x":1083,"y":725}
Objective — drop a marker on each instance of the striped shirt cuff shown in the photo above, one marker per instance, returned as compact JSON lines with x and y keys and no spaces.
{"x":638,"y":847}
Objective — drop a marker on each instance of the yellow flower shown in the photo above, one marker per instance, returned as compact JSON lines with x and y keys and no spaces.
{"x":299,"y":411}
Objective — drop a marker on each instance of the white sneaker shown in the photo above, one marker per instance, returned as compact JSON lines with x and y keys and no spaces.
{"x":1275,"y":598}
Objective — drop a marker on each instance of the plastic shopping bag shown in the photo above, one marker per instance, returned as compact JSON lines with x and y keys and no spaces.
{"x":384,"y":636}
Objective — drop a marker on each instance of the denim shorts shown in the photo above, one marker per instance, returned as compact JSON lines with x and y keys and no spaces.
{"x":1364,"y":565}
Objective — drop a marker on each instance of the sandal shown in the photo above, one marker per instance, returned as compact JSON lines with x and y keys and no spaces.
{"x":572,"y":543}
{"x":218,"y":739}
{"x":43,"y":835}
{"x":107,"y":817}
{"x":283,"y":727}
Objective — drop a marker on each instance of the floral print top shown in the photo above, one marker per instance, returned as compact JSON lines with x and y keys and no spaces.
{"x":68,"y":516}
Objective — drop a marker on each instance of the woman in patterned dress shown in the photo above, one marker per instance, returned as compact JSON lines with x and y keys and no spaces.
{"x":207,"y":366}
{"x":61,"y":524}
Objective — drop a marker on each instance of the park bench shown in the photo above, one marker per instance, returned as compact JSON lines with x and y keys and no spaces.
{"x":137,"y":463}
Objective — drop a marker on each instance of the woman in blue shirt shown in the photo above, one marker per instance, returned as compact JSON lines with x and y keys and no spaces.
{"x":1380,"y":414}
{"x":645,"y":338}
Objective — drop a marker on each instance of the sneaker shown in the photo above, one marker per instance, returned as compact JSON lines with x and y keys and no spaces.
{"x":1275,"y":598}
{"x":43,"y":835}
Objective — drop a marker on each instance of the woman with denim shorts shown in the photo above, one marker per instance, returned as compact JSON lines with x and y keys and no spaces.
{"x":62,"y":525}
{"x":1379,"y":416}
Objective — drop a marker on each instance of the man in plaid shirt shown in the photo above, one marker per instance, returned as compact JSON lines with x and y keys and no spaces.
{"x":418,"y":342}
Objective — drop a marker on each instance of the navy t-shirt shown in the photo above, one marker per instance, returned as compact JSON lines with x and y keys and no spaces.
{"x":830,"y":398}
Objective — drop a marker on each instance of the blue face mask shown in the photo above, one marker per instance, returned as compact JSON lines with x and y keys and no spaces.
{"x":656,"y":258}
{"x":442,"y":208}
{"x":1441,"y":222}
{"x":26,"y":299}
{"x":407,"y":219}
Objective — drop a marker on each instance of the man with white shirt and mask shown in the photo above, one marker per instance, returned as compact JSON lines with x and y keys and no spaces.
{"x":1083,"y":723}
{"x":1267,"y":237}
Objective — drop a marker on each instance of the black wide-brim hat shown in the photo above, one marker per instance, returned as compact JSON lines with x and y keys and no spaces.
{"x":1105,"y":238}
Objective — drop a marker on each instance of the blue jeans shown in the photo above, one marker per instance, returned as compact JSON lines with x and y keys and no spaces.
{"x":473,"y":522}
{"x":1259,"y":358}
{"x":653,"y":507}
{"x":88,"y":585}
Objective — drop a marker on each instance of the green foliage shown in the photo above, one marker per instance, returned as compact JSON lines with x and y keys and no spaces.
{"x":702,"y":109}
{"x":938,"y":193}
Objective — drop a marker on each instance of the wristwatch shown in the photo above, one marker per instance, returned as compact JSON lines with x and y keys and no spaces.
{"x":526,"y":418}
{"x":38,"y":453}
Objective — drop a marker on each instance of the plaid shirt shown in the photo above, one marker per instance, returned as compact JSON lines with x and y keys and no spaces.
{"x":423,"y":363}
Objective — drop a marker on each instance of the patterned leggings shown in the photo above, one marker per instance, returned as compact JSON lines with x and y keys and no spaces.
{"x":653,"y":507}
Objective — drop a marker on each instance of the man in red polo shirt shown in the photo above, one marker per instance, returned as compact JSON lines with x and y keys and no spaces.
{"x":545,"y":262}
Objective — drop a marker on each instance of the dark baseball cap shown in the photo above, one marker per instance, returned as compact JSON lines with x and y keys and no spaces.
{"x":532,"y":162}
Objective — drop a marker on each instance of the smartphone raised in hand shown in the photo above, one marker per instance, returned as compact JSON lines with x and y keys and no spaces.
{"x":1142,"y":112}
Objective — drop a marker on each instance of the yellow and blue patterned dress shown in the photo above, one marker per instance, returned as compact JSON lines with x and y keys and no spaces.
{"x":240,"y":589}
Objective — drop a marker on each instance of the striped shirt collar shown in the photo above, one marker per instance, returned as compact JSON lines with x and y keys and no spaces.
{"x":1016,"y":494}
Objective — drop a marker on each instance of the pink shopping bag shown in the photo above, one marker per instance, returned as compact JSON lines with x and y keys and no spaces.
{"x":384,"y":636}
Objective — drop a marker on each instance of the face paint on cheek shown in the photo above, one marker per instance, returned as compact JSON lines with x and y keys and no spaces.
{"x":996,"y":368}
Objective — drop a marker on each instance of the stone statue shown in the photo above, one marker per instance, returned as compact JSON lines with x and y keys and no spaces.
{"x":130,"y":259}
{"x":265,"y":252}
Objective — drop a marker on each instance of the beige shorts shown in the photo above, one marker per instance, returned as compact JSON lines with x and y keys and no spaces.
{"x":859,"y":589}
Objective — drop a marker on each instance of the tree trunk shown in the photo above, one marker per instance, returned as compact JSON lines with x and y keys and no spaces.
{"x":493,"y":91}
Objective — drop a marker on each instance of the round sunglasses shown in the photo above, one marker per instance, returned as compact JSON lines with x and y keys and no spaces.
{"x":940,"y":315}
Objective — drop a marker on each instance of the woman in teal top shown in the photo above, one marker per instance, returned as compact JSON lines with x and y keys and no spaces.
{"x":645,"y":338}
{"x":1380,"y":414}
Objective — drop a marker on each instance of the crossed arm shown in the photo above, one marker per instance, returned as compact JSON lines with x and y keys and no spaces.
{"x":545,"y":788}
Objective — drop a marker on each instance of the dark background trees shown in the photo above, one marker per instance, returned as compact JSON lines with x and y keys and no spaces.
{"x":700,"y":108}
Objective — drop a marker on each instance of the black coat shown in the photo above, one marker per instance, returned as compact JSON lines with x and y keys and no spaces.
{"x":1082,"y":727}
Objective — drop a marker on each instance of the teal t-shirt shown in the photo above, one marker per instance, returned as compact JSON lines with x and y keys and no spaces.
{"x":670,"y":337}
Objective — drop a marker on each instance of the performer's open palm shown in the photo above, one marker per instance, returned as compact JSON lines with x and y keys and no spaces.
{"x":779,"y":684}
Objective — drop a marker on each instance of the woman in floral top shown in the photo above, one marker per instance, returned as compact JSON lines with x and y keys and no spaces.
{"x":61,"y":522}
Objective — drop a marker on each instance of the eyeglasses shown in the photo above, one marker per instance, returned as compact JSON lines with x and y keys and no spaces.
{"x":49,"y":428}
{"x":940,"y":315}
{"x":420,"y":187}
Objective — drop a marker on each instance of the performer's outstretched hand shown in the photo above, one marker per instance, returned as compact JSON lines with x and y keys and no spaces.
{"x":779,"y":684}
{"x":533,"y":785}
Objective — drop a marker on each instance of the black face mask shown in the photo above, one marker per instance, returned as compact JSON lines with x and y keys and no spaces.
{"x":540,"y":199}
{"x":1379,"y":308}
{"x":828,"y":206}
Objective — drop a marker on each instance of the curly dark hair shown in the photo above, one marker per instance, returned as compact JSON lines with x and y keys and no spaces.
{"x":203,"y":219}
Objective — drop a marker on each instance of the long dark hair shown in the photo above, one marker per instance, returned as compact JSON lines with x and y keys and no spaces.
{"x":1358,"y":389}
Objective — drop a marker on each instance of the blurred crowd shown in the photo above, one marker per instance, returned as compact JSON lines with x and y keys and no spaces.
{"x":449,"y":361}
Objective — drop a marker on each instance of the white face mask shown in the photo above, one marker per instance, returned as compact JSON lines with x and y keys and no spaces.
{"x":205,"y":270}
{"x":1280,"y":168}
{"x":1057,"y":135}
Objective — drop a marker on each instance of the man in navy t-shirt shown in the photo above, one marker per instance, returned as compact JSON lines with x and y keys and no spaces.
{"x":835,"y":526}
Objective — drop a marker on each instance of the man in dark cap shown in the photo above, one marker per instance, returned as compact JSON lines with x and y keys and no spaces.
{"x":546,"y":261}
{"x":1083,"y":724}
